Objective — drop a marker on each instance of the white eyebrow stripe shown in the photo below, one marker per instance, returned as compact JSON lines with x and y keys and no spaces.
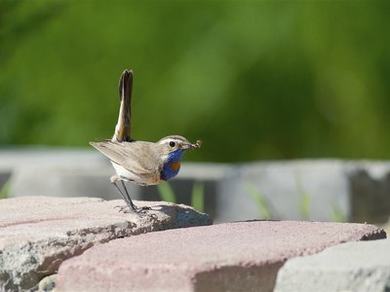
{"x":171,"y":139}
{"x":166,"y":140}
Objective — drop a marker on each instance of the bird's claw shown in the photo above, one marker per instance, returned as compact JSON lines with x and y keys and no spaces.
{"x":124,"y":209}
{"x":138,"y":210}
{"x":142,"y":210}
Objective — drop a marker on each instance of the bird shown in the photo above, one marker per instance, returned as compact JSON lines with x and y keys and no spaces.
{"x":141,"y":162}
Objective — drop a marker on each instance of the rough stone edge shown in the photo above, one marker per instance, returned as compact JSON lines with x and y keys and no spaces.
{"x":379,"y":233}
{"x":77,"y":242}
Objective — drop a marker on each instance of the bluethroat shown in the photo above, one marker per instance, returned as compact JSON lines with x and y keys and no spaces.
{"x":143,"y":163}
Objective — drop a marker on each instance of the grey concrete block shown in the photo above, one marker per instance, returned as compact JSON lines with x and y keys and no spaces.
{"x":4,"y":178}
{"x":208,"y":175}
{"x":58,"y":172}
{"x":322,"y":190}
{"x":315,"y":190}
{"x":355,"y":266}
{"x":369,"y":190}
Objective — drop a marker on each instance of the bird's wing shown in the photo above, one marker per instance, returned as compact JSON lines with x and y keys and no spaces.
{"x":123,"y":126}
{"x":139,"y":157}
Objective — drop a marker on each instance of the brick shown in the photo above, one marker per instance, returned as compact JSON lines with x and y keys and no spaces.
{"x":242,"y":256}
{"x":38,"y":233}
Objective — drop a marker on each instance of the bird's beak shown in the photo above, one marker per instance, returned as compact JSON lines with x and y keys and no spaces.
{"x":192,"y":146}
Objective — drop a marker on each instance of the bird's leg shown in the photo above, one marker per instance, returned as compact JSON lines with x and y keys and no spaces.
{"x":135,"y":208}
{"x":126,"y":197}
{"x":129,"y":203}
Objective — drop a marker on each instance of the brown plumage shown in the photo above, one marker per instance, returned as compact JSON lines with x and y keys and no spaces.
{"x":123,"y":126}
{"x":141,"y":162}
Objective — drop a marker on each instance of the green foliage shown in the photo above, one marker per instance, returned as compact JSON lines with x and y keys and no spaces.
{"x":337,"y":214}
{"x":268,"y":79}
{"x":4,"y":190}
{"x":166,"y":192}
{"x":304,"y":206}
{"x":260,"y":200}
{"x":305,"y":199}
{"x":197,"y":196}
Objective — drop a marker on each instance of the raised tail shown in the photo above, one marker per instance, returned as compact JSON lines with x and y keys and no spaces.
{"x":123,"y":126}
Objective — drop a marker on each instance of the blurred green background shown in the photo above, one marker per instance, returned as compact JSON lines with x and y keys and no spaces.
{"x":252,"y":79}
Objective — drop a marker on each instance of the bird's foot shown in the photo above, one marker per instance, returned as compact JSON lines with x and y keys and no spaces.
{"x":124,"y":209}
{"x":133,"y":209}
{"x":142,"y":211}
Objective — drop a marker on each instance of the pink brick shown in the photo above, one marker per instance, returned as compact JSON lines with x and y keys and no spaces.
{"x":38,"y":233}
{"x":238,"y":256}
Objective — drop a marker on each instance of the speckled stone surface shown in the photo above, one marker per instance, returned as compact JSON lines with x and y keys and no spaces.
{"x":243,"y":256}
{"x":354,"y":266}
{"x":38,"y":233}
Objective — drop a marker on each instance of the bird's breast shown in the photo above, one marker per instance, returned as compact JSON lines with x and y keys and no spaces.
{"x":172,"y":166}
{"x":170,"y":170}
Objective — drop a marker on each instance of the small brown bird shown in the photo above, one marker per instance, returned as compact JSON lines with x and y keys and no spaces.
{"x":143,"y":163}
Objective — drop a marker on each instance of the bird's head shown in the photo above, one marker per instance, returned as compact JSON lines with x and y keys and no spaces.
{"x":172,"y":149}
{"x":176,"y":144}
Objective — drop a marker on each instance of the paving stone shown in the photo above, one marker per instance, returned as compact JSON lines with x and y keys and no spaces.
{"x":243,"y":256}
{"x":353,"y":266}
{"x":38,"y":233}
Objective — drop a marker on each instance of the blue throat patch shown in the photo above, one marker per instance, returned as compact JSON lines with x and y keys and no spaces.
{"x":172,"y":166}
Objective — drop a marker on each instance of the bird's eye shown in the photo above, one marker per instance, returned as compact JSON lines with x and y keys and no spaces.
{"x":172,"y":144}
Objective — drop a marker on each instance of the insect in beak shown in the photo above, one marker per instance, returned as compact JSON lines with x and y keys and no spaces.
{"x":197,"y":144}
{"x":192,"y":146}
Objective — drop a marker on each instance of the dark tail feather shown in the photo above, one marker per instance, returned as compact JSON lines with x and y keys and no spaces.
{"x":123,"y":126}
